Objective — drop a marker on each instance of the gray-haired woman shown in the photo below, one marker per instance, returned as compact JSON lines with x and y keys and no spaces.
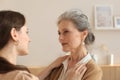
{"x":75,"y":35}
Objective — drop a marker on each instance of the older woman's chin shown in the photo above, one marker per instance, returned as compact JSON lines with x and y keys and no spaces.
{"x":66,"y":50}
{"x":23,"y":53}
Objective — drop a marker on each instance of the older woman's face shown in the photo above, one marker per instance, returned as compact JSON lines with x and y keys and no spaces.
{"x":69,"y":36}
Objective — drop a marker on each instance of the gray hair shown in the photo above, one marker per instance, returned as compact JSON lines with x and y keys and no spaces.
{"x":81,"y":23}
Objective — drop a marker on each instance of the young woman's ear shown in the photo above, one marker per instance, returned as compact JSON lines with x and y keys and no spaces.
{"x":14,"y":34}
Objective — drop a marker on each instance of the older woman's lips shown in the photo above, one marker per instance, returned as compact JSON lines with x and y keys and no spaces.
{"x":63,"y":44}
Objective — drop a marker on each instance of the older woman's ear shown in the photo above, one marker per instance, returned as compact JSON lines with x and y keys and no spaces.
{"x":84,"y":34}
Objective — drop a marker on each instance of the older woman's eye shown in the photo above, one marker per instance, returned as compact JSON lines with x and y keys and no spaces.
{"x":66,"y":32}
{"x":58,"y":33}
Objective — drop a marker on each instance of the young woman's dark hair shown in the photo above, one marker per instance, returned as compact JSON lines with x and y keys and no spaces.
{"x":5,"y":66}
{"x":9,"y":19}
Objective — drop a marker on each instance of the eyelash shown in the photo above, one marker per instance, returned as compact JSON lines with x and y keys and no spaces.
{"x":59,"y":33}
{"x":27,"y":32}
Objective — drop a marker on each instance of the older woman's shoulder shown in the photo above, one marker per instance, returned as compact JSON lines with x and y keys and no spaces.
{"x":94,"y":71}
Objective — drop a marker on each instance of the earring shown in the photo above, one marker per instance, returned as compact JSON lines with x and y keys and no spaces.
{"x":17,"y":42}
{"x":83,"y":43}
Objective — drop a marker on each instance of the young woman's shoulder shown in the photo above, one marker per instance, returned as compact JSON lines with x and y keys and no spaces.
{"x":18,"y":75}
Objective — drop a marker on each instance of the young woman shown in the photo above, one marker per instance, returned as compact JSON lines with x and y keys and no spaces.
{"x":14,"y":41}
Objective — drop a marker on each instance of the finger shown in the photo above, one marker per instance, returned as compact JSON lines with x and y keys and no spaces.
{"x":64,"y":57}
{"x":80,"y":68}
{"x":83,"y":70}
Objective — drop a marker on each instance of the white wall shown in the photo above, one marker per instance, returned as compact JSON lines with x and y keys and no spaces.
{"x":41,"y":19}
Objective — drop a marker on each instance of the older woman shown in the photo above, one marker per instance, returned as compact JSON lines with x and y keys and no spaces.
{"x":75,"y":35}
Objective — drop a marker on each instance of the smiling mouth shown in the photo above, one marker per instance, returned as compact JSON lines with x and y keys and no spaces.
{"x":63,"y":44}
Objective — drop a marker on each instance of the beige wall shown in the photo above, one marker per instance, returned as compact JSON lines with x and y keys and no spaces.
{"x":41,"y":19}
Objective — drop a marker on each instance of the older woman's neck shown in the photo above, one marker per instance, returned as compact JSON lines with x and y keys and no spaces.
{"x":79,"y":54}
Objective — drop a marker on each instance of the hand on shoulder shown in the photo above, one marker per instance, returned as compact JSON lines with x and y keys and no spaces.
{"x":77,"y":72}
